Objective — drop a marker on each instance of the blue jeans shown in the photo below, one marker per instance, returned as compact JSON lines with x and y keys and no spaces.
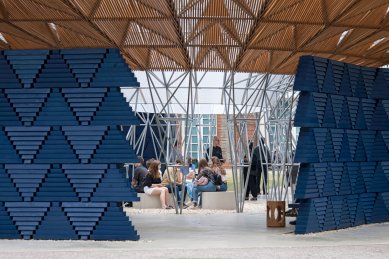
{"x":189,"y":188}
{"x":210,"y":187}
{"x":222,"y":188}
{"x":178,"y":190}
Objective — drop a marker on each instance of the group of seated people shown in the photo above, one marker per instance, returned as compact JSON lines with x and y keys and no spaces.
{"x":208,"y":178}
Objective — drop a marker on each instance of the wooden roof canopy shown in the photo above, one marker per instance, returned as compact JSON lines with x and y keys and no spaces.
{"x":241,"y":35}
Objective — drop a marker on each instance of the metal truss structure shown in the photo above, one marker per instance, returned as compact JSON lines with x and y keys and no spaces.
{"x":262,"y":36}
{"x":255,"y":105}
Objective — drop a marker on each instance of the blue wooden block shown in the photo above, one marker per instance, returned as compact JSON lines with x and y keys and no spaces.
{"x":81,"y":51}
{"x":8,"y":115}
{"x":352,"y":137}
{"x":367,"y":200}
{"x":368,"y":169}
{"x":356,"y":179}
{"x":380,"y":119}
{"x":56,"y":112}
{"x":34,"y":61}
{"x":337,"y":70}
{"x":368,"y":138}
{"x":338,"y":137}
{"x":328,"y":154}
{"x":108,"y":229}
{"x":307,"y":221}
{"x":380,"y":212}
{"x":7,"y":152}
{"x":329,"y":83}
{"x":329,"y":221}
{"x":7,"y":229}
{"x":360,"y":87}
{"x":380,"y":151}
{"x":381,"y":86}
{"x":57,"y":142}
{"x":56,"y":187}
{"x":379,"y":181}
{"x":368,"y":77}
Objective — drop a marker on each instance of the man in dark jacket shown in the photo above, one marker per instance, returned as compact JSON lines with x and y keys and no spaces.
{"x":252,"y":182}
{"x":216,"y":150}
{"x":140,"y":173}
{"x":261,"y":155}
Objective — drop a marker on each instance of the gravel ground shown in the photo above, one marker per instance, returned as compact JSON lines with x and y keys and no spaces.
{"x":229,"y":235}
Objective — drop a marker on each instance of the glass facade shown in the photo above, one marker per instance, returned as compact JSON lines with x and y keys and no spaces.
{"x":202,"y":129}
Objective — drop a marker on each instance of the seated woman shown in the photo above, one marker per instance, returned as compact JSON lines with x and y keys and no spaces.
{"x":190,"y":177}
{"x":152,"y":184}
{"x":217,"y":166}
{"x":203,"y":182}
{"x":172,"y":177}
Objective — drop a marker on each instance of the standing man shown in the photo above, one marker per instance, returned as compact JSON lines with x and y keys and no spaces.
{"x":140,"y":173}
{"x":216,"y":149}
{"x":261,"y":156}
{"x":252,"y":181}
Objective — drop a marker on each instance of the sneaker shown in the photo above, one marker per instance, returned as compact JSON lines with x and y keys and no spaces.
{"x":246,"y":199}
{"x":185,"y":206}
{"x":253,"y":199}
{"x":291,"y":213}
{"x":193,"y":206}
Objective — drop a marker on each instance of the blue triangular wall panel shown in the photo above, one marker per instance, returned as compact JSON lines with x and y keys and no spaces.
{"x":61,"y":146}
{"x":343,"y":145}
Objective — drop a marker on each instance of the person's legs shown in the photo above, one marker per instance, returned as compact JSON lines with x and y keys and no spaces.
{"x":264,"y":186}
{"x":209,"y":187}
{"x":189,"y":189}
{"x":166,"y":196}
{"x":245,"y":170}
{"x":253,"y":185}
{"x":223,"y":187}
{"x":195,"y":194}
{"x":179,"y":191}
{"x":259,"y":177}
{"x":161,"y":192}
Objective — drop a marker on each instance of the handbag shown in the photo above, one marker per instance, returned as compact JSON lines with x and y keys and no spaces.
{"x":201,"y":181}
{"x":217,"y":179}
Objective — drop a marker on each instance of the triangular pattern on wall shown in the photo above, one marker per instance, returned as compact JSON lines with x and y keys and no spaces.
{"x":348,"y":183}
{"x":84,"y":102}
{"x":84,"y":178}
{"x":27,"y":103}
{"x":85,"y":140}
{"x":61,"y":144}
{"x":27,"y":215}
{"x":55,"y":225}
{"x":26,"y":64}
{"x":56,"y":111}
{"x":56,"y":149}
{"x":27,"y":140}
{"x":27,"y":179}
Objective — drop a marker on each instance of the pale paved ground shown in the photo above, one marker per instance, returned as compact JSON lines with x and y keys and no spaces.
{"x":211,"y":234}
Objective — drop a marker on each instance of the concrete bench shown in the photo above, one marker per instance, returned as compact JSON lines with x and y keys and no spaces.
{"x":150,"y":202}
{"x":218,"y":200}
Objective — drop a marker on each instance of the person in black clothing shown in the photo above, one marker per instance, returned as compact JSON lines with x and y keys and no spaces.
{"x":140,"y":173}
{"x":152,"y":184}
{"x":216,"y":150}
{"x":252,"y":182}
{"x":261,"y":155}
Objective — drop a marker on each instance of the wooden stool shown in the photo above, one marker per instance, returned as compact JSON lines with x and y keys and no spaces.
{"x":275,"y":214}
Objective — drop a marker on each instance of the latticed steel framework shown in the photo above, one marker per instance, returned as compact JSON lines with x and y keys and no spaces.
{"x":256,"y":106}
{"x":238,"y":35}
{"x":262,"y":36}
